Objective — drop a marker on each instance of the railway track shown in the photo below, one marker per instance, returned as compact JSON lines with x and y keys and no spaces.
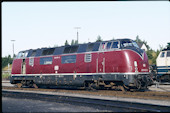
{"x":113,"y":104}
{"x":113,"y":93}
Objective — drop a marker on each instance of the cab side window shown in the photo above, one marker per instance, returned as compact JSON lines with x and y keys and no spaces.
{"x":168,"y":54}
{"x":22,"y":54}
{"x":108,"y":45}
{"x":102,"y":46}
{"x":162,"y":54}
{"x":115,"y":45}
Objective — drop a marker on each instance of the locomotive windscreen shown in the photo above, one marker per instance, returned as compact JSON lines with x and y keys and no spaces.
{"x":130,"y":44}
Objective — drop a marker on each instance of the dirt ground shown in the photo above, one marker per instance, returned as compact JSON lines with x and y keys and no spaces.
{"x":155,"y":95}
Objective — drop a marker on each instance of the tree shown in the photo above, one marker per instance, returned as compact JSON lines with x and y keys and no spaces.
{"x":147,"y":46}
{"x":76,"y":42}
{"x":152,"y":55}
{"x":14,"y":56}
{"x":99,"y":39}
{"x":66,"y":43}
{"x":113,"y":38}
{"x":72,"y":42}
{"x":55,"y":45}
{"x":168,"y":46}
{"x":161,"y":47}
{"x":138,"y":40}
{"x":6,"y":60}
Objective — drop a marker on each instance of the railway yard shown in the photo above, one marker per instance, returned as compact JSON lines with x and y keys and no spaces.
{"x":155,"y":99}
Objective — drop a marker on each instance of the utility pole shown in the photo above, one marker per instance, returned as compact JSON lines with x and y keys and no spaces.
{"x":77,"y":33}
{"x":13,"y":47}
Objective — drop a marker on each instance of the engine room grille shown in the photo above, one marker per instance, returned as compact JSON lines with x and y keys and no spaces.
{"x":87,"y":58}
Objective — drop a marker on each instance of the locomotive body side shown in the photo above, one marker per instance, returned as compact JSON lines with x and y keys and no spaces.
{"x":163,"y":65}
{"x":120,"y":64}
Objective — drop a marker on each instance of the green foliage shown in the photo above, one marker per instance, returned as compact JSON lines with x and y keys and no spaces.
{"x":149,"y":54}
{"x":72,"y":42}
{"x":55,"y":45}
{"x":138,"y":40}
{"x":5,"y":75}
{"x":152,"y":55}
{"x":6,"y":60}
{"x":66,"y":43}
{"x":147,"y":46}
{"x":99,"y":39}
{"x":76,"y":42}
{"x":168,"y":46}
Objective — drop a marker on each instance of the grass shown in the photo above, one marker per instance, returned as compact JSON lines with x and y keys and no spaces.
{"x":6,"y":75}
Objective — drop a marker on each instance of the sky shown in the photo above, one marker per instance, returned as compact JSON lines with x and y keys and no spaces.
{"x":46,"y":24}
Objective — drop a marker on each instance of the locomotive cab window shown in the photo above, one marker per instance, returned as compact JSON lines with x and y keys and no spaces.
{"x":135,"y":44}
{"x":22,"y":54}
{"x":102,"y":46}
{"x":108,"y":45}
{"x":115,"y":45}
{"x":26,"y":53}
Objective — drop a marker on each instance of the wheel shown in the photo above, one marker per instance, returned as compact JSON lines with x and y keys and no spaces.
{"x":19,"y":85}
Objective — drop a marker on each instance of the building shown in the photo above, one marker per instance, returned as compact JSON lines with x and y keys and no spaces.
{"x":142,"y":46}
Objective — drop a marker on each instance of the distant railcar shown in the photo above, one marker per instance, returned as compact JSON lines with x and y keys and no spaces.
{"x":115,"y":63}
{"x":163,"y":65}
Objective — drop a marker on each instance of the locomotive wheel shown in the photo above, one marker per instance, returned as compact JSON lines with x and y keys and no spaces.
{"x":90,"y":86}
{"x":122,"y":88}
{"x":19,"y":85}
{"x":35,"y":86}
{"x":138,"y":84}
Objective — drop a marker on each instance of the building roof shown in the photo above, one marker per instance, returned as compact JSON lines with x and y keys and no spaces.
{"x":140,"y":44}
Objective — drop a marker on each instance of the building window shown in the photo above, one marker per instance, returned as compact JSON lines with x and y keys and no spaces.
{"x":46,"y":60}
{"x":68,"y":59}
{"x":87,"y":58}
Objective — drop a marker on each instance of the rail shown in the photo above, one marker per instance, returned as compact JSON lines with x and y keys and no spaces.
{"x":122,"y":105}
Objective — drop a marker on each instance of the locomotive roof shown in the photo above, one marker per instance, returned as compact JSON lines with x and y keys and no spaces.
{"x":78,"y":48}
{"x":166,"y":49}
{"x":126,"y":39}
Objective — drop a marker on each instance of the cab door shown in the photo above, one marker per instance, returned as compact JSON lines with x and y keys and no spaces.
{"x":23,"y":64}
{"x":101,"y":57}
{"x":101,"y":62}
{"x":23,"y":67}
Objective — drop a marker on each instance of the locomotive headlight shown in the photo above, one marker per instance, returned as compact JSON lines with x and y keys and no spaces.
{"x":135,"y":63}
{"x":144,"y":65}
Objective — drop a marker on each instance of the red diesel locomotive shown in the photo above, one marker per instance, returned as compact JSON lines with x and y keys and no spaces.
{"x":113,"y":64}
